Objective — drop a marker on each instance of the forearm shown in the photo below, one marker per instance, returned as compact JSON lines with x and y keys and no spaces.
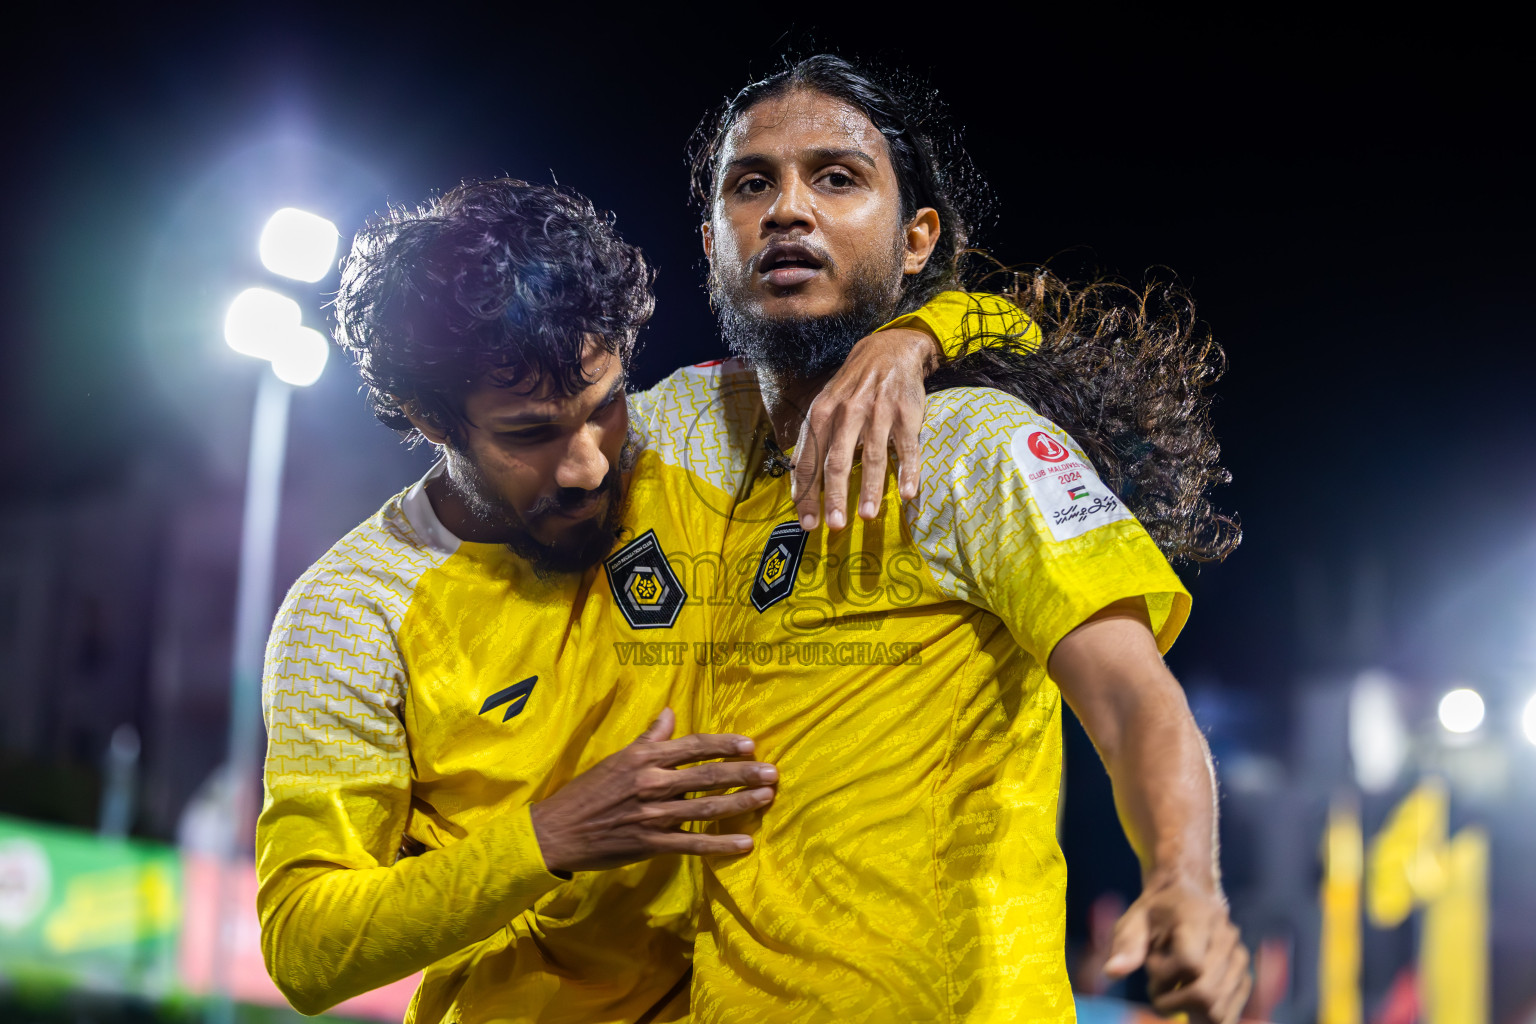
{"x":330,"y":933}
{"x":1179,"y":928}
{"x":1134,"y":710}
{"x":1164,"y":788}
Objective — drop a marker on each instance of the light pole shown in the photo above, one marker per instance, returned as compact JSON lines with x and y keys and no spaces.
{"x":267,"y":326}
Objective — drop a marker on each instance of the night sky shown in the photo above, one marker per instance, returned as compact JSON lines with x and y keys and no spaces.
{"x":1349,"y":203}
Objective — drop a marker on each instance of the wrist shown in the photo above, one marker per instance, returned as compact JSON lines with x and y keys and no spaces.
{"x":1204,"y":880}
{"x":917,"y":338}
{"x":550,"y":848}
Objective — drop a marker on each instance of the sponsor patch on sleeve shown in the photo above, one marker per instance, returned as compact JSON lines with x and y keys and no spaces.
{"x":1069,"y":493}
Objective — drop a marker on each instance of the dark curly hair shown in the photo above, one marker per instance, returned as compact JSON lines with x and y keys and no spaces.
{"x":1124,"y":370}
{"x":501,"y":280}
{"x":932,"y":167}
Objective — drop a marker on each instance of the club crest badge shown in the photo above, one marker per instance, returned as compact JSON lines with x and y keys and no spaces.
{"x":776,"y":570}
{"x":647,"y":591}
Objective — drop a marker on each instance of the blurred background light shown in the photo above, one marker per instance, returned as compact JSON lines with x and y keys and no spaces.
{"x":260,"y":322}
{"x":1461,"y":710}
{"x":1378,"y":740}
{"x":301,"y":357}
{"x":298,"y":244}
{"x":1528,"y":719}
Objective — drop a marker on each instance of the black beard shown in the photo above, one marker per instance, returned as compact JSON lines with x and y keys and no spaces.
{"x":804,"y":348}
{"x":584,"y":544}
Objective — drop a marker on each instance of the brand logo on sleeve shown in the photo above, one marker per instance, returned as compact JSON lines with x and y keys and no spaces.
{"x":775,"y":579}
{"x":515,"y":697}
{"x":1047,"y":448}
{"x":1070,"y":496}
{"x":646,"y":589}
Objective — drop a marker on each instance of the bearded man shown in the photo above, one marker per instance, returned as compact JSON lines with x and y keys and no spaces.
{"x":453,"y":693}
{"x":905,"y":675}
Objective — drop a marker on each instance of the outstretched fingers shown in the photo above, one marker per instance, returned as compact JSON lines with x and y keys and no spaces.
{"x":877,"y":438}
{"x":701,"y":844}
{"x":661,"y":729}
{"x":805,"y":478}
{"x":709,"y":808}
{"x":696,"y":747}
{"x":909,"y":448}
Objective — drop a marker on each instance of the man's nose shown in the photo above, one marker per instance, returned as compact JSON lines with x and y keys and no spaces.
{"x":583,"y":465}
{"x":793,"y":207}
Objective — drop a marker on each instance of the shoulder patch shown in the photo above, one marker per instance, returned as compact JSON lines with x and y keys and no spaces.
{"x":1069,"y":493}
{"x":776,"y":570}
{"x":646,"y":589}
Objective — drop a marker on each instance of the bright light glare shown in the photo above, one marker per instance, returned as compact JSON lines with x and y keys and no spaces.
{"x":1461,"y":710}
{"x":301,"y":358}
{"x":1528,"y":719}
{"x":299,"y":245}
{"x":260,"y":321}
{"x":1378,"y":740}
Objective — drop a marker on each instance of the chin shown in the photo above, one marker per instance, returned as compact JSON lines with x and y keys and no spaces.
{"x":802,"y":301}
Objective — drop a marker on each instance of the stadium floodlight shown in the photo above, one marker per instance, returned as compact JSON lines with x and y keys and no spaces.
{"x":301,"y":357}
{"x":298,"y":244}
{"x":1461,"y":710}
{"x":1528,"y":719}
{"x":260,"y":322}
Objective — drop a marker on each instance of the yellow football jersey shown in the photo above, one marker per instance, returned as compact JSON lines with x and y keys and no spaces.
{"x":908,"y":869}
{"x":425,"y":691}
{"x":420,"y":693}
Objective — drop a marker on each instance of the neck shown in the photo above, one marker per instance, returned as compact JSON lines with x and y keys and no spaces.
{"x":786,"y":397}
{"x":456,"y":515}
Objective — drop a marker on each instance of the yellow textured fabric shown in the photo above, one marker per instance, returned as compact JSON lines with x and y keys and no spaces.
{"x":960,"y":320}
{"x":908,"y":869}
{"x":385,"y":726}
{"x":381,"y":701}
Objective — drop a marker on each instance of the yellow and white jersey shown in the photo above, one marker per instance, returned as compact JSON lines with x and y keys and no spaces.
{"x":425,"y":691}
{"x":421,"y":692}
{"x":908,"y":869}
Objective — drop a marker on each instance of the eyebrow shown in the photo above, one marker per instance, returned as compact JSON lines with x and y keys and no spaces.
{"x":826,"y":156}
{"x":529,"y":419}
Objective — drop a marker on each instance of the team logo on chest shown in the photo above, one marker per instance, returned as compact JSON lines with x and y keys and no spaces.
{"x":644,"y":585}
{"x":776,"y":570}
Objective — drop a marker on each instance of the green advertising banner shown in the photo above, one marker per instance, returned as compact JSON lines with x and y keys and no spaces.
{"x":80,"y":912}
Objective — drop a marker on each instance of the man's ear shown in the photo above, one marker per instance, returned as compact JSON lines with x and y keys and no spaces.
{"x":922,"y":235}
{"x":431,"y":431}
{"x":708,"y":236}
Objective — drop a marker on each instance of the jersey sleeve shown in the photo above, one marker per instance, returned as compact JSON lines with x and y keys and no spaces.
{"x":1014,"y":519}
{"x":340,"y":913}
{"x":962,"y":320}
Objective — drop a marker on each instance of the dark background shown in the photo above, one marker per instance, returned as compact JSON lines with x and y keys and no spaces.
{"x":1348,"y":202}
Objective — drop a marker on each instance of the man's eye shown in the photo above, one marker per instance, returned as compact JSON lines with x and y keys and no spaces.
{"x":837,"y":179}
{"x":753,"y":186}
{"x":534,"y":436}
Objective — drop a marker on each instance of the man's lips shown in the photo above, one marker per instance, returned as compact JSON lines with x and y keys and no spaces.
{"x":786,"y":264}
{"x":585,"y":509}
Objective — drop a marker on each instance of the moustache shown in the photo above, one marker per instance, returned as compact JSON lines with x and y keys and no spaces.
{"x":573,"y":499}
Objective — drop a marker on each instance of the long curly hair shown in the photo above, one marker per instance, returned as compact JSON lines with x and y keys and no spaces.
{"x":1125,"y":370}
{"x":498,"y":280}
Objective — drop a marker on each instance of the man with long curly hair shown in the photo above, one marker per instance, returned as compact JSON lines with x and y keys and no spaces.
{"x":453,"y":692}
{"x":906,"y":675}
